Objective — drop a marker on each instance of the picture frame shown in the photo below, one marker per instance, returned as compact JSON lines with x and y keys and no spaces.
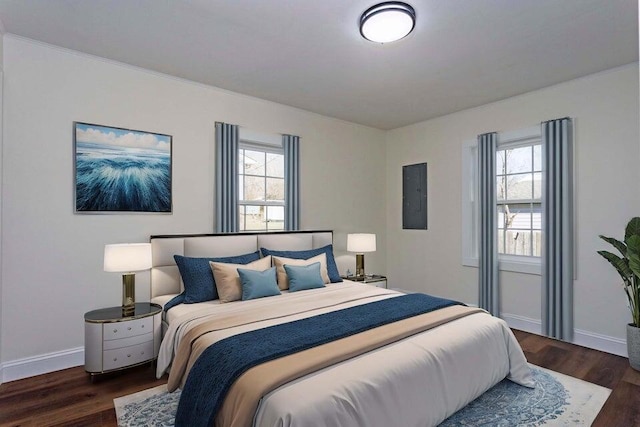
{"x":121,"y":171}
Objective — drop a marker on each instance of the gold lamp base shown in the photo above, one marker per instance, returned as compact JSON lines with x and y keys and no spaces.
{"x":128,"y":294}
{"x":360,"y":265}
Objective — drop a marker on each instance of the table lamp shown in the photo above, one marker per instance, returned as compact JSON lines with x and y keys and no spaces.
{"x":127,"y":258}
{"x":361,"y":243}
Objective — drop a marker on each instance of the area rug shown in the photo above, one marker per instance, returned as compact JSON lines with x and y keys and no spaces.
{"x":557,"y":400}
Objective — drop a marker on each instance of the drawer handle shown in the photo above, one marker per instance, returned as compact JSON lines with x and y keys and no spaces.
{"x":142,"y":326}
{"x":115,"y":330}
{"x":142,"y":353}
{"x":115,"y":359}
{"x":128,"y":355}
{"x":129,"y":328}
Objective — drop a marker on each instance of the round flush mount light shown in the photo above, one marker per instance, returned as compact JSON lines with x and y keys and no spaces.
{"x":387,"y":22}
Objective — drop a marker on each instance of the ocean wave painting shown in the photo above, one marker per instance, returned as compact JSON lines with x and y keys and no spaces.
{"x":119,"y":170}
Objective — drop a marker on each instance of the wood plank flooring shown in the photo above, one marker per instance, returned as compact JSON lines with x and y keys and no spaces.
{"x":68,"y":398}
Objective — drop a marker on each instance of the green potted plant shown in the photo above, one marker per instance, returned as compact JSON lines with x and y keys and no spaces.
{"x":628,"y":266}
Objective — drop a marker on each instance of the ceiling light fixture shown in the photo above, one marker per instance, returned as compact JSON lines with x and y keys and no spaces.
{"x":387,"y":22}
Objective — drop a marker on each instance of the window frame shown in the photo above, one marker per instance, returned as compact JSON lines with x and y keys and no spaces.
{"x":470,"y":213}
{"x":269,"y":146}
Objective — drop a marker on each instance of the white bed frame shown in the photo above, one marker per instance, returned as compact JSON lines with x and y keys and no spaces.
{"x":165,"y":277}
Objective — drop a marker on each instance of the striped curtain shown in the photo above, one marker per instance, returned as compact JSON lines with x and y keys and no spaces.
{"x":557,"y":229}
{"x":291,"y":145}
{"x":226,"y":178}
{"x":489,"y":290}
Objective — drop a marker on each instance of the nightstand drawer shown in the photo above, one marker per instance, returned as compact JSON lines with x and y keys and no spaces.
{"x":118,"y":330}
{"x":127,"y":342}
{"x":126,"y":356}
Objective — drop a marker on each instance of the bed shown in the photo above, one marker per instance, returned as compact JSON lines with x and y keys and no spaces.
{"x":417,"y":377}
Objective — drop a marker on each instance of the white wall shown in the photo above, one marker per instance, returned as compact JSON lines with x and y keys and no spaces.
{"x":53,"y":258}
{"x":607,"y":151}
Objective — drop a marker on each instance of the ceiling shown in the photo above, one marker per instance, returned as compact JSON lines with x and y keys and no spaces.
{"x":309,"y":53}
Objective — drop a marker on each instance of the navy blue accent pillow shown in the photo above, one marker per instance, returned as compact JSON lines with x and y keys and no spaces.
{"x":303,"y":277}
{"x":332,"y":268}
{"x":178,"y":299}
{"x":199,"y":284}
{"x":258,"y":284}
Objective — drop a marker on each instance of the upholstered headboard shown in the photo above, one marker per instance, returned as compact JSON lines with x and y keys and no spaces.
{"x":165,"y":277}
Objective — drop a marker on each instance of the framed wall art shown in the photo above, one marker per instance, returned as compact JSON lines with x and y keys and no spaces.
{"x":121,"y":170}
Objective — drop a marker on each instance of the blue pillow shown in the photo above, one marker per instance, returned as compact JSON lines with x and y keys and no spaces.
{"x":258,"y":284}
{"x":332,"y":268}
{"x":303,"y":277}
{"x":199,"y":284}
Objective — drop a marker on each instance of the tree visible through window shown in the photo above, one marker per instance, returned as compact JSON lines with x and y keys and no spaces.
{"x":519,"y":200}
{"x":261,"y":189}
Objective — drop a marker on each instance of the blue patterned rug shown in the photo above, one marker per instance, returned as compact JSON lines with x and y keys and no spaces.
{"x":558,"y":400}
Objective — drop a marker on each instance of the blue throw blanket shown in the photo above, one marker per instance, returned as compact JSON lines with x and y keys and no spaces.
{"x":225,"y":361}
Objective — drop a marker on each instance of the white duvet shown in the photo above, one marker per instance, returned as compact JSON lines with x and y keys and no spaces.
{"x":419,"y":381}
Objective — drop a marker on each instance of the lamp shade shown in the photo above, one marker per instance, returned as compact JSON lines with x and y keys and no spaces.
{"x":127,"y":257}
{"x":361,"y":242}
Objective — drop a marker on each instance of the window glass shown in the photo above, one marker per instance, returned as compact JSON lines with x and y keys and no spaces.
{"x":519,"y":200}
{"x":275,"y":165}
{"x":254,"y":162}
{"x":519,"y":186}
{"x":275,"y":189}
{"x":537,"y":157}
{"x":261,"y":186}
{"x":501,"y":191}
{"x":537,"y":185}
{"x":254,"y":188}
{"x":518,"y":159}
{"x":275,"y":217}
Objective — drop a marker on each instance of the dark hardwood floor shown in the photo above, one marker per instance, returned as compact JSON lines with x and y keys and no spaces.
{"x":68,"y":398}
{"x":622,"y":409}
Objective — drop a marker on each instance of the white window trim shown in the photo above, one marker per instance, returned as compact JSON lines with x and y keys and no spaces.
{"x":514,"y":263}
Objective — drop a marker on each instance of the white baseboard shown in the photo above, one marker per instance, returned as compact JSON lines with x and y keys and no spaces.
{"x":588,"y":339}
{"x":45,"y":363}
{"x":600,"y":342}
{"x":522,"y":323}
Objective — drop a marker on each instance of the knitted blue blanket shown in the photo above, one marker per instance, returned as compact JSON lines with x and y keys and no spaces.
{"x":225,"y":361}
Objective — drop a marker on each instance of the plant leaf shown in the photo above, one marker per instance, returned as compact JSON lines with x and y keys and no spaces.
{"x":633,"y":253}
{"x":620,"y":264}
{"x":633,"y":229}
{"x":621,"y":247}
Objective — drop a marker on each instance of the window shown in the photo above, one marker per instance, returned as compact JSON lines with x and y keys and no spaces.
{"x":519,"y":201}
{"x":261,"y":187}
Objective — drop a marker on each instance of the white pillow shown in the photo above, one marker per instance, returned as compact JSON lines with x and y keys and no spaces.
{"x":283,"y":280}
{"x":228,"y":280}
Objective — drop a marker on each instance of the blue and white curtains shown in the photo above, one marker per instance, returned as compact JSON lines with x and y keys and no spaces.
{"x":489,"y":294}
{"x":557,"y":229}
{"x":226,"y":178}
{"x":291,"y":146}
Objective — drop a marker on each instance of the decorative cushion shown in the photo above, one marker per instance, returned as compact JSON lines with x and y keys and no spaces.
{"x":332,"y":268}
{"x":228,"y":280}
{"x":279,"y":262}
{"x":258,"y":284}
{"x":302,"y":277}
{"x":199,"y":284}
